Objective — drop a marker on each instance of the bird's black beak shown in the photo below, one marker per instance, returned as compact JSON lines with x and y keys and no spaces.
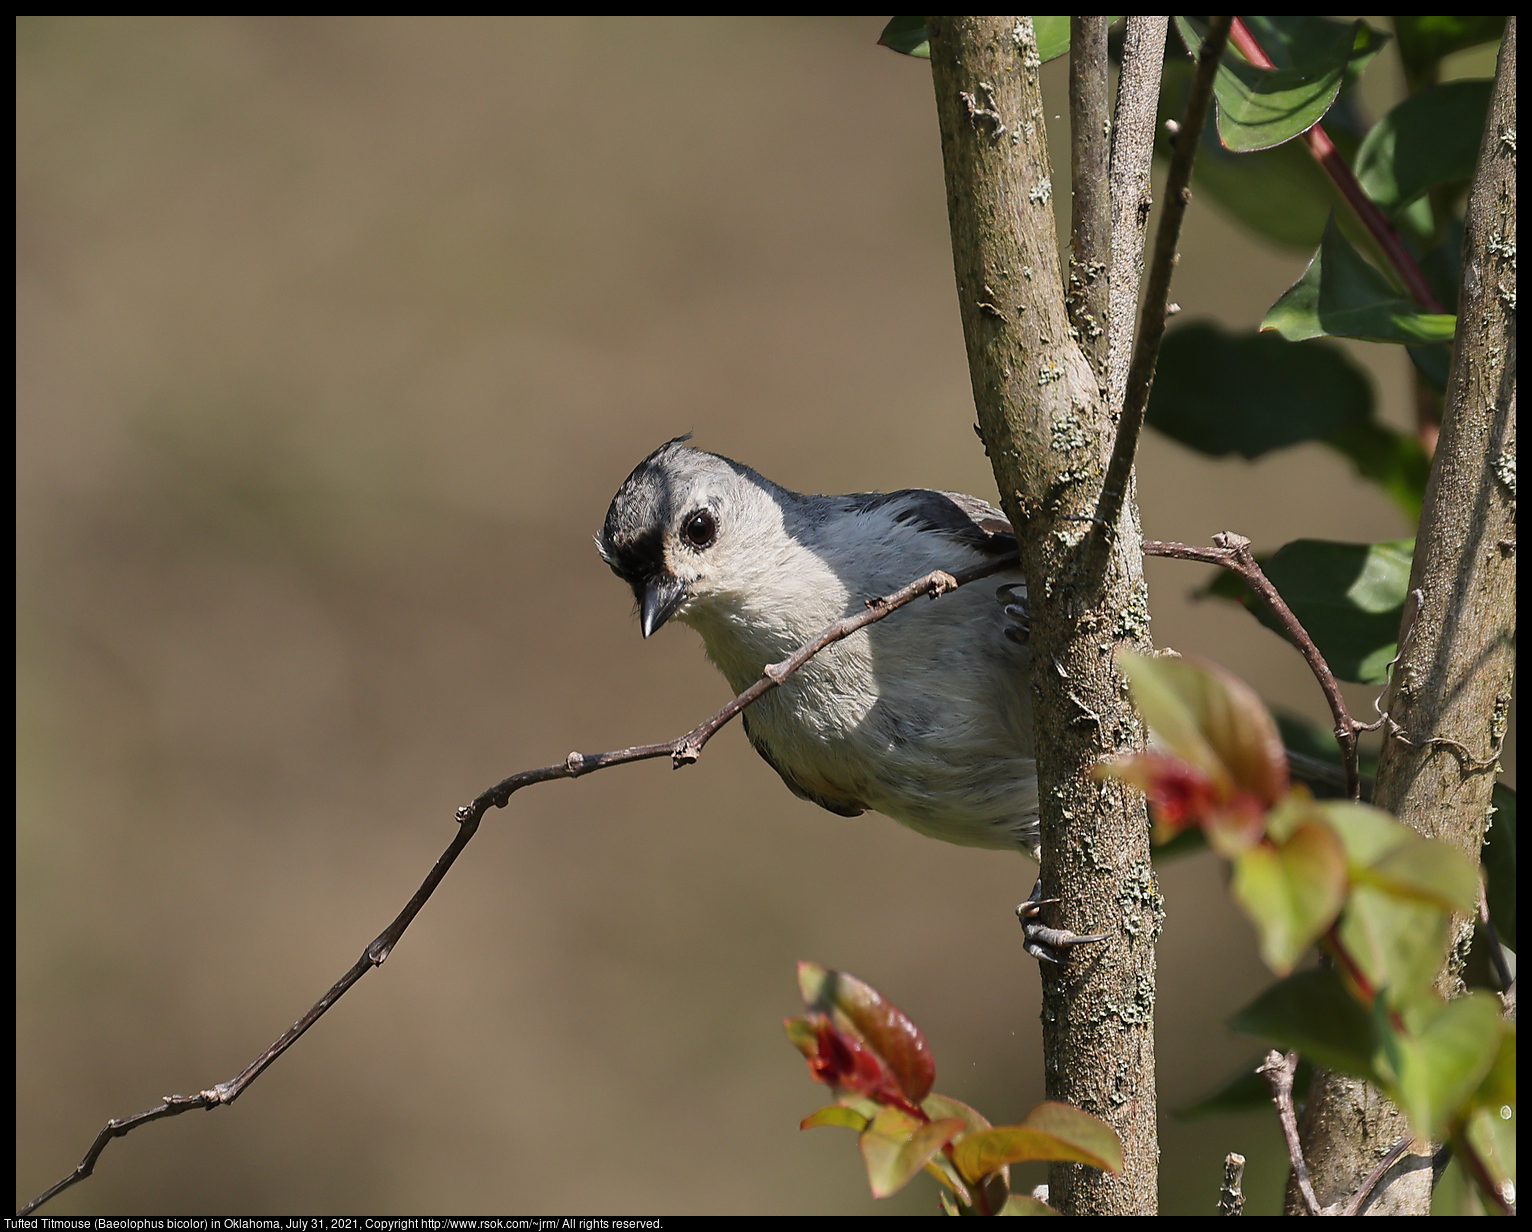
{"x":663,"y":594}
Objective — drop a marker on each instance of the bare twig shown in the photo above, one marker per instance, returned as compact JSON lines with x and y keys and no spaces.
{"x":1151,"y":321}
{"x":682,"y":751}
{"x":688,"y":748}
{"x":1278,"y":1070}
{"x":1392,"y":1156}
{"x":1231,"y":1198}
{"x":1232,"y":552}
{"x":1138,"y":91}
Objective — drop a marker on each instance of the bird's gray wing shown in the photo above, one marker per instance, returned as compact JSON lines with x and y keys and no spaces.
{"x":842,"y":805}
{"x":969,"y":520}
{"x":966,"y":519}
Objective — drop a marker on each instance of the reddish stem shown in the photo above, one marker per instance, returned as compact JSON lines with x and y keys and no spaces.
{"x":1328,"y":157}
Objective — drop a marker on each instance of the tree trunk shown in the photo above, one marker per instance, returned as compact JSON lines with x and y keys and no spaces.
{"x":1046,"y":423}
{"x":1451,"y":689}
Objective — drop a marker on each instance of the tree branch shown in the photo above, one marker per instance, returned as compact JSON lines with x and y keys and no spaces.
{"x":682,"y":751}
{"x":1232,"y":552}
{"x":1278,"y":1069}
{"x":1087,"y":290}
{"x":1231,"y":1195}
{"x":1138,"y":92}
{"x":1151,"y":327}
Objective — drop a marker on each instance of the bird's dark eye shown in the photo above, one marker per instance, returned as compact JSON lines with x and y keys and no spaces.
{"x":699,"y":529}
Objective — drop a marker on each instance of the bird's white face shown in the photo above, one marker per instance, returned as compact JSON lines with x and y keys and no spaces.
{"x":677,"y":533}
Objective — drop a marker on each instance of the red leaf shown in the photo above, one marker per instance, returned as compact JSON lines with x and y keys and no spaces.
{"x":857,"y":1008}
{"x":847,"y":1066}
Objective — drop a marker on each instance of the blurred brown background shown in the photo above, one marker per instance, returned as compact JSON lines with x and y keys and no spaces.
{"x":335,"y":337}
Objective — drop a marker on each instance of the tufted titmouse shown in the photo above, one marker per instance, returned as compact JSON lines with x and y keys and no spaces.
{"x":925,"y":716}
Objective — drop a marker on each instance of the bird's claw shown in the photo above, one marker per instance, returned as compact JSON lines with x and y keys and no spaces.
{"x":1043,"y":943}
{"x":1017,"y":613}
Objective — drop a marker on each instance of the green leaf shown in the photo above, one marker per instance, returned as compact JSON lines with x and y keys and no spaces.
{"x":1313,"y":1012}
{"x":1490,"y":1138}
{"x":1211,"y":719}
{"x":1051,"y":1131}
{"x":1428,"y":870}
{"x":1404,"y":889}
{"x":1291,"y":888}
{"x":980,"y":1154}
{"x":836,"y":1114}
{"x":1053,"y":36}
{"x":1301,"y":42}
{"x":1260,"y":108}
{"x":1425,"y":41}
{"x":1174,"y":719}
{"x":1439,"y":1066}
{"x":1394,"y":460}
{"x":1499,"y":1085}
{"x":1025,"y":1204}
{"x":1443,"y":268}
{"x":1433,"y":363}
{"x":1246,"y":1091}
{"x":1366,"y":834}
{"x":896,"y":1146}
{"x":939,"y":1106}
{"x":1430,"y":138}
{"x":1491,"y":1128}
{"x":1348,"y":596}
{"x":1397,"y":943}
{"x":1499,"y":860}
{"x":907,"y":35}
{"x":1079,"y":1128}
{"x":1282,"y":194}
{"x":1221,"y":393}
{"x":1342,"y":296}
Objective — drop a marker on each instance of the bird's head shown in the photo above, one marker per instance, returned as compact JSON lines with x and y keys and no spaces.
{"x":688,"y":529}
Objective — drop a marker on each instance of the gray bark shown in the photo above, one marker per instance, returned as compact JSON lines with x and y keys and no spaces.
{"x":1046,"y":425}
{"x":1451,"y":689}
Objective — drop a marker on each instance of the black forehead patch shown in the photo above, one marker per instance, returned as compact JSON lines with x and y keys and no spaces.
{"x":633,"y":536}
{"x":633,"y":546}
{"x":635,"y":560}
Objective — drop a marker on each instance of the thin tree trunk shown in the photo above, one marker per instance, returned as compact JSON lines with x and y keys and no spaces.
{"x":1451,"y":689}
{"x":1046,"y":425}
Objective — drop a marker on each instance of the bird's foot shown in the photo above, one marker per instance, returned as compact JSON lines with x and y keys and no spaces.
{"x":1043,"y":943}
{"x":1018,"y":616}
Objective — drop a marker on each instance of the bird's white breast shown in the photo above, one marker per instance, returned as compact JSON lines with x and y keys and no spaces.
{"x":924,"y":716}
